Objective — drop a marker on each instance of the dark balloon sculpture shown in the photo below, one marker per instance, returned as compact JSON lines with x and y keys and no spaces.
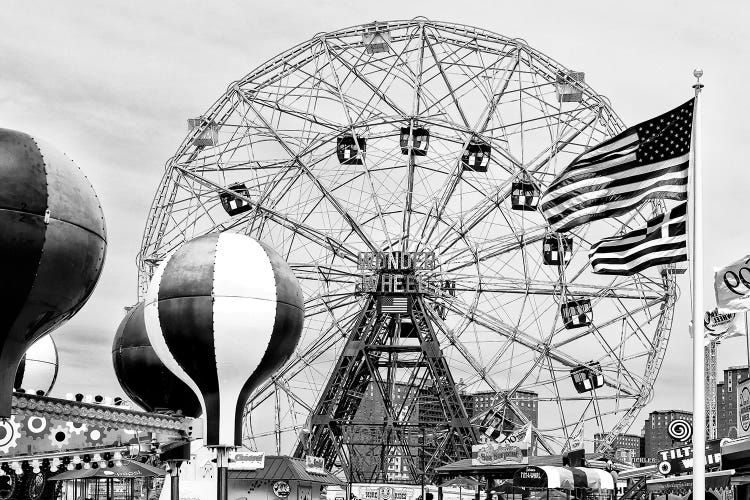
{"x":141,"y":374}
{"x":52,"y":246}
{"x":224,"y":312}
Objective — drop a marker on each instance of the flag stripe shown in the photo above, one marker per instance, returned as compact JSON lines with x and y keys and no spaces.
{"x":644,"y":162}
{"x":617,"y":143}
{"x":662,"y":241}
{"x":603,"y":194}
{"x":610,"y":179}
{"x":625,"y":258}
{"x":655,"y":261}
{"x":675,"y":224}
{"x":594,"y":212}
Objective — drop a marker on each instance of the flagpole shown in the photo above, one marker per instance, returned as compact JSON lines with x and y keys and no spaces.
{"x":696,"y":270}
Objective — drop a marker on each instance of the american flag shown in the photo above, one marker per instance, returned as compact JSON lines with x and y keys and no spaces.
{"x":647,"y":161}
{"x":662,"y":241}
{"x":394,"y":304}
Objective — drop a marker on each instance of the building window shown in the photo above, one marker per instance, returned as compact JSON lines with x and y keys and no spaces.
{"x":729,"y":386}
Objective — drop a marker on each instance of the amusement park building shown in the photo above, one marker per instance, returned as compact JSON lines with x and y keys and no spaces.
{"x":726,"y":401}
{"x":478,"y":402}
{"x":372,"y":409}
{"x":625,"y":447}
{"x":656,"y":435}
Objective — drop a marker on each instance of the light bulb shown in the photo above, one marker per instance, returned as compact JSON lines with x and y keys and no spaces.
{"x":76,"y":459}
{"x":86,"y":465}
{"x":103,"y":464}
{"x":71,"y":466}
{"x":118,"y":463}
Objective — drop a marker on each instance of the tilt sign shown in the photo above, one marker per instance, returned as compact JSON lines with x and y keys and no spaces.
{"x":679,"y":460}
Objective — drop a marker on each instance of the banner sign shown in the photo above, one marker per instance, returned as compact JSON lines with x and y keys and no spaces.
{"x":530,"y":477}
{"x":385,"y":492}
{"x":679,"y":460}
{"x":396,"y":261}
{"x":743,"y":409}
{"x":732,"y":286}
{"x":645,"y":460}
{"x":246,"y":460}
{"x":722,"y":324}
{"x":498,"y":454}
{"x":315,"y":465}
{"x":394,"y":272}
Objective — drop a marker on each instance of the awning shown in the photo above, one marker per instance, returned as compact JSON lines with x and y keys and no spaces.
{"x":285,"y":468}
{"x":736,"y":454}
{"x":129,"y":468}
{"x":569,"y":478}
{"x":681,"y":484}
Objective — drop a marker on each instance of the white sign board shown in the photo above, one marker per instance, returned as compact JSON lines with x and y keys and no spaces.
{"x":385,"y":492}
{"x":491,"y":453}
{"x":315,"y":465}
{"x":246,"y":460}
{"x":743,"y":409}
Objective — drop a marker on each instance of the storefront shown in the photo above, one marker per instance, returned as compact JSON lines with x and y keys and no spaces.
{"x":735,"y":455}
{"x":129,"y":481}
{"x":718,"y":484}
{"x":540,"y":480}
{"x":281,"y":478}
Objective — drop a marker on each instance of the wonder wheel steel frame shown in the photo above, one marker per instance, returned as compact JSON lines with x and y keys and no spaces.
{"x":270,"y":144}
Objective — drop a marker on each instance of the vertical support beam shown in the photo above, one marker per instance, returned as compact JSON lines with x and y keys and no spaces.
{"x":174,"y":479}
{"x":696,"y":269}
{"x":222,"y":474}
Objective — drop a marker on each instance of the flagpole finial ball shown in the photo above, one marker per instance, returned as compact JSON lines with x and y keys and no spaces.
{"x":698,"y":73}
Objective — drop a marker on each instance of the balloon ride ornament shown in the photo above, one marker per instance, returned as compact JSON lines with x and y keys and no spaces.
{"x":52,"y":249}
{"x":224,"y":312}
{"x":142,"y":375}
{"x":37,"y":371}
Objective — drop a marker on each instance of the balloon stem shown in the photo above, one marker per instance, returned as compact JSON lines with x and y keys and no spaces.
{"x":222,"y":479}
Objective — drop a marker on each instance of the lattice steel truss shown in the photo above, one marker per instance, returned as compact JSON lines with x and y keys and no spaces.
{"x":269,"y":145}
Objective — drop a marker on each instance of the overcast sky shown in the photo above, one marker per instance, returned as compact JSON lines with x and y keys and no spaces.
{"x":112,"y":84}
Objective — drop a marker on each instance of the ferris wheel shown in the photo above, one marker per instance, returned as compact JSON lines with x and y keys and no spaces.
{"x":428,"y":140}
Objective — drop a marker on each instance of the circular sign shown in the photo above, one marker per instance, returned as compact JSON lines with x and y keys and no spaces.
{"x":743,"y":403}
{"x":665,"y":467}
{"x":385,"y":493}
{"x":530,"y":477}
{"x":281,"y":489}
{"x":680,"y":430}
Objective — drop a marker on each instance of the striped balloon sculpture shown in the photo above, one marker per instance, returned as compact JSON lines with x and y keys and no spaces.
{"x":52,"y":246}
{"x":223,"y":312}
